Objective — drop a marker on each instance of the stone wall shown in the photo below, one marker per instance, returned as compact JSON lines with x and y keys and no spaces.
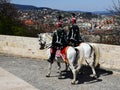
{"x":103,"y":36}
{"x":21,"y":46}
{"x":29,"y":47}
{"x":109,"y":56}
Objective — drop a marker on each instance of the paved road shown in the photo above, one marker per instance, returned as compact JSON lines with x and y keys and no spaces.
{"x":33,"y":71}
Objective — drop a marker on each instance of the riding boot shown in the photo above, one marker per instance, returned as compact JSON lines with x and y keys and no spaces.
{"x":52,"y":57}
{"x":50,"y":60}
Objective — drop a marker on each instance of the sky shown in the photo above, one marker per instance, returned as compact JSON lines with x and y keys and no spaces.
{"x":82,"y":5}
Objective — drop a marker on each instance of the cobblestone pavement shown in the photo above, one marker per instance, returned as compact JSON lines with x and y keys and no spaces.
{"x":33,"y":71}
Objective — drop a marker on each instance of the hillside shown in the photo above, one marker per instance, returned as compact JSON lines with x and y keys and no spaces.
{"x":30,"y":7}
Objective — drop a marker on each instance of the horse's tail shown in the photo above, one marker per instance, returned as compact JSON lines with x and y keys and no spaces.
{"x":96,"y":55}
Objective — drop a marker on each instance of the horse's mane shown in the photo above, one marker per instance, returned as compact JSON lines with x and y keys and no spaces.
{"x":49,"y":36}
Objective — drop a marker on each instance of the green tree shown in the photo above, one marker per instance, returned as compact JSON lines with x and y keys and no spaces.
{"x":7,"y":10}
{"x":9,"y":23}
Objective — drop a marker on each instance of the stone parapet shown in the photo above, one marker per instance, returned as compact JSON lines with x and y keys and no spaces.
{"x":21,"y":46}
{"x":29,"y":47}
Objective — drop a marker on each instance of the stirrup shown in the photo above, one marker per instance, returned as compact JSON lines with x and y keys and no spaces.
{"x":50,"y":61}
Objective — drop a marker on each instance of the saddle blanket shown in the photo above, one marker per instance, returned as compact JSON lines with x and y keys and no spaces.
{"x":63,"y":53}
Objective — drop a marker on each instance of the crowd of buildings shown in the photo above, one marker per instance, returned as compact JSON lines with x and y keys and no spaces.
{"x":49,"y":17}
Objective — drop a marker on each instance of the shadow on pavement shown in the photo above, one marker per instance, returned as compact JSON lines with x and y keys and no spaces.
{"x":84,"y":75}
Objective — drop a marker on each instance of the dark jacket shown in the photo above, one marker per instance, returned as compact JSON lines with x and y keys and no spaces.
{"x":74,"y":34}
{"x":59,"y":38}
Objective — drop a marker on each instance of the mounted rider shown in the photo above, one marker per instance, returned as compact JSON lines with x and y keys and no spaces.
{"x":74,"y":37}
{"x":59,"y":40}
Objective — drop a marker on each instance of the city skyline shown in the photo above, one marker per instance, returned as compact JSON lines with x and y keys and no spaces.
{"x":81,"y":5}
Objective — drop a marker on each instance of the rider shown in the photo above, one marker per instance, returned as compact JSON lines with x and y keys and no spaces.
{"x":59,"y":40}
{"x":74,"y":34}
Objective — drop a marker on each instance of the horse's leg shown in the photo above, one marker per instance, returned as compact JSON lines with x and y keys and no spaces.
{"x":49,"y":70}
{"x":74,"y":71}
{"x":59,"y":70}
{"x":90,"y":63}
{"x":66,"y":67}
{"x":93,"y":70}
{"x":59,"y":67}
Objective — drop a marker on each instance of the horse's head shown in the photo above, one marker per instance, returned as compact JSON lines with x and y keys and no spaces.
{"x":42,"y":41}
{"x":45,"y":40}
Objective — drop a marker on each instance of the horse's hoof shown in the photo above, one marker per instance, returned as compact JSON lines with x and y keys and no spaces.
{"x":94,"y":76}
{"x":73,"y":82}
{"x":59,"y":77}
{"x":47,"y":75}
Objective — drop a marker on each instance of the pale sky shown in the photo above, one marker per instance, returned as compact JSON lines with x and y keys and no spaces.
{"x":82,"y":5}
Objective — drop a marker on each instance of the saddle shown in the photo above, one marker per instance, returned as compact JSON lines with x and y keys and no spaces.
{"x":63,"y":54}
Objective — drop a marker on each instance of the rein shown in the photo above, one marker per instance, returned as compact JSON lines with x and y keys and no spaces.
{"x":49,"y":37}
{"x":47,"y":45}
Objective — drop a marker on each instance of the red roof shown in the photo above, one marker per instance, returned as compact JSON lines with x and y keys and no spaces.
{"x":29,"y":22}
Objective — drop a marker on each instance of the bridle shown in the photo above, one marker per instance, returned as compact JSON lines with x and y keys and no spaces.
{"x":43,"y":43}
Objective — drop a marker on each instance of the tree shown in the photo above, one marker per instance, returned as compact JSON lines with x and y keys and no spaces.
{"x":9,"y":23}
{"x":115,"y":10}
{"x":7,"y":10}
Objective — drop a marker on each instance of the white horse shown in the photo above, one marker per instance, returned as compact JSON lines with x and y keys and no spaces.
{"x":88,"y":52}
{"x":45,"y":40}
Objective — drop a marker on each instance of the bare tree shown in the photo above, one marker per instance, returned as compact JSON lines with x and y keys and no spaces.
{"x":115,"y":10}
